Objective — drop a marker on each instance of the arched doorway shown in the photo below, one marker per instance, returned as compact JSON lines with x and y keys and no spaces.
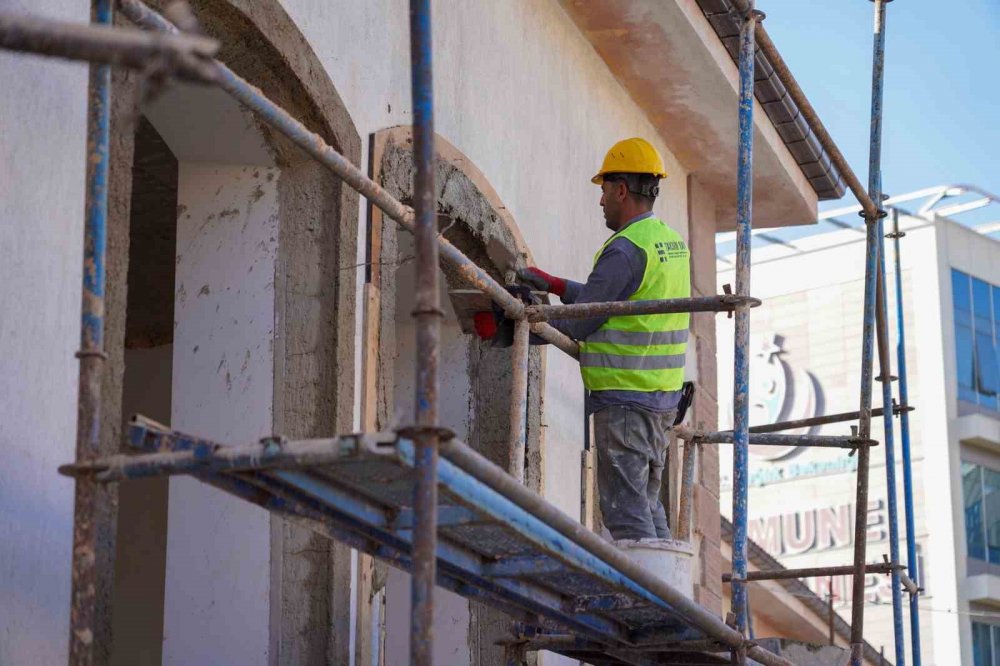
{"x":230,"y":315}
{"x":476,"y":378}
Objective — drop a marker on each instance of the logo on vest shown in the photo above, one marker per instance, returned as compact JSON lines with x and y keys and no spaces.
{"x":666,"y":250}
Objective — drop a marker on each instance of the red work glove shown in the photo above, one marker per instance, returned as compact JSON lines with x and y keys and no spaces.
{"x":542,"y":281}
{"x":486,"y":325}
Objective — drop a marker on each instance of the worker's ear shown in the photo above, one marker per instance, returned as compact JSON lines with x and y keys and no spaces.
{"x":620,"y":190}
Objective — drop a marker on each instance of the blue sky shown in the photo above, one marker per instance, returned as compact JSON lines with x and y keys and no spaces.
{"x":942,"y":84}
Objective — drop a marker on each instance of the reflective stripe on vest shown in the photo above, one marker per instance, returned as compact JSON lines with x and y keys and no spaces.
{"x":644,"y":352}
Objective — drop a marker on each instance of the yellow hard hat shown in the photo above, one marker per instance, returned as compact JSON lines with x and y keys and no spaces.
{"x":631,"y":156}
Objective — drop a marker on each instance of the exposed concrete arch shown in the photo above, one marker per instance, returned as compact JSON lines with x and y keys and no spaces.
{"x":298,"y":331}
{"x":471,"y":216}
{"x":476,"y":378}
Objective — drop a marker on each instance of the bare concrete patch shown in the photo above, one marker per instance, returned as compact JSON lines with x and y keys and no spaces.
{"x":470,"y":217}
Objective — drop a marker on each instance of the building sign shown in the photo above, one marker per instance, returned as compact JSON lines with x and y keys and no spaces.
{"x":815,"y":530}
{"x":780,"y":393}
{"x":822,"y":529}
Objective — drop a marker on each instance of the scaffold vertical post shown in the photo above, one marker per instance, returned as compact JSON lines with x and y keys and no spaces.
{"x":741,"y":367}
{"x":885,"y":367}
{"x":428,"y":318}
{"x":868,"y":335}
{"x":93,"y":521}
{"x":904,"y":436}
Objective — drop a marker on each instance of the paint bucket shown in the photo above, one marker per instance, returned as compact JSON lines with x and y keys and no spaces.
{"x":668,"y":559}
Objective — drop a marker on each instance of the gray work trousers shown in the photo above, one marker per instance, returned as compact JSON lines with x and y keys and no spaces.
{"x":631,"y":454}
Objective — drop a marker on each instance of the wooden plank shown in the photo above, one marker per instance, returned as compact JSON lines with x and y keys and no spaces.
{"x":372,"y":299}
{"x":588,"y":486}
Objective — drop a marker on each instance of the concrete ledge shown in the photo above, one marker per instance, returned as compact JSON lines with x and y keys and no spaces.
{"x":672,"y":63}
{"x":982,"y":588}
{"x":978,"y":430}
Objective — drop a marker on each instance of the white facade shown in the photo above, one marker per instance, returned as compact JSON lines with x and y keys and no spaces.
{"x":807,"y":337}
{"x":524,"y":98}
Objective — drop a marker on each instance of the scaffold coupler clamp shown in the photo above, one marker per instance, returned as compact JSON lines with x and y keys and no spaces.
{"x":273,"y":444}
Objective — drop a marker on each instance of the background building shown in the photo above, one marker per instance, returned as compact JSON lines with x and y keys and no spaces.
{"x":808,"y":363}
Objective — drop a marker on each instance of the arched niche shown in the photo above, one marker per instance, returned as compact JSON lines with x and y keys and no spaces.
{"x":234,"y":308}
{"x":475,"y":377}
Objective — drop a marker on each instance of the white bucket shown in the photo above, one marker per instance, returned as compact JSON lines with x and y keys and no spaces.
{"x":667,"y":559}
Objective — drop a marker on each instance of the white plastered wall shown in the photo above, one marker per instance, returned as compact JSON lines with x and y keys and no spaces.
{"x":42,"y":161}
{"x":519,"y":91}
{"x":451,"y":612}
{"x":524,"y":96}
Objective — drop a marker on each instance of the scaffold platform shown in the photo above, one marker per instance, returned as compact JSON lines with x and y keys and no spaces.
{"x":359,"y":490}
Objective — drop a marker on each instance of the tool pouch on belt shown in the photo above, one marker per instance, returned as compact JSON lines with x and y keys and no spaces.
{"x":687,"y":399}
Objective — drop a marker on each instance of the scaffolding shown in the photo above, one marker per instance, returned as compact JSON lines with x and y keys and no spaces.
{"x":572,"y":592}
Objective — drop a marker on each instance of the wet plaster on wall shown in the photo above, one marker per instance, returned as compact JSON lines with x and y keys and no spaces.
{"x":314,"y":374}
{"x":218,"y":588}
{"x":471,"y":223}
{"x":468,"y":221}
{"x":116,"y":266}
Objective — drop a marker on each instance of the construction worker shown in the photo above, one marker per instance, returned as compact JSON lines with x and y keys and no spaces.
{"x":633,"y":367}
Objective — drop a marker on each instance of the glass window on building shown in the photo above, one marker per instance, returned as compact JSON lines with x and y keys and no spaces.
{"x":985,"y":644}
{"x":981,"y":490}
{"x":972,"y":490}
{"x":977,"y":327}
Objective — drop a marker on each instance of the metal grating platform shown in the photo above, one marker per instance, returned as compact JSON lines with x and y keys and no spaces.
{"x":359,"y":488}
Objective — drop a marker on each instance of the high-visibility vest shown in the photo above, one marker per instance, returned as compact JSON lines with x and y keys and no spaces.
{"x":644,"y":352}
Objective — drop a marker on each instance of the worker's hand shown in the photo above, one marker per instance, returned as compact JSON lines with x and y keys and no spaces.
{"x":542,"y":281}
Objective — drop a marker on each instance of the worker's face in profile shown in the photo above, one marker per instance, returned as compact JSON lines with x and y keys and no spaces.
{"x":613,"y":195}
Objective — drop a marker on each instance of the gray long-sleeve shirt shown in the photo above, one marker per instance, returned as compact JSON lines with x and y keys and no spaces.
{"x":617,"y":275}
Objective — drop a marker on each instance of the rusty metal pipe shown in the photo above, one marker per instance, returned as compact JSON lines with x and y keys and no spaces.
{"x":812,"y":572}
{"x":720,"y":303}
{"x":252,"y":98}
{"x":774,"y":439}
{"x":556,"y":338}
{"x":185,"y":56}
{"x":825,"y":420}
{"x":686,"y":503}
{"x":741,"y":336}
{"x":204,"y":456}
{"x":95,"y":506}
{"x":517,"y":431}
{"x":872,"y":215}
{"x":885,"y":370}
{"x":428,"y":315}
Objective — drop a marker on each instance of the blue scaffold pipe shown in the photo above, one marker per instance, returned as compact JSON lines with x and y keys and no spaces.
{"x":890,"y":455}
{"x":868,"y":335}
{"x":428,"y":315}
{"x":89,"y":631}
{"x":741,"y":366}
{"x":904,"y":435}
